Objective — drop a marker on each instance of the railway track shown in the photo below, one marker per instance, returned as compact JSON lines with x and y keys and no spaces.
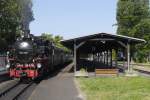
{"x":143,"y":71}
{"x":14,"y":91}
{"x":141,"y":68}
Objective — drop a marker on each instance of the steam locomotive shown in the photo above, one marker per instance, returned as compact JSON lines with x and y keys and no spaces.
{"x":32,"y":57}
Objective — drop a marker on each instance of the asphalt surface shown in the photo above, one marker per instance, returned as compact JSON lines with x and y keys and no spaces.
{"x":59,"y":87}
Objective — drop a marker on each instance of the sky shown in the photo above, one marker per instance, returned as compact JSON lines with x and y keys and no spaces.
{"x":73,"y":18}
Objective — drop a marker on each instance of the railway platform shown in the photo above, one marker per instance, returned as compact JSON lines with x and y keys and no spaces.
{"x":60,"y":87}
{"x":3,"y":72}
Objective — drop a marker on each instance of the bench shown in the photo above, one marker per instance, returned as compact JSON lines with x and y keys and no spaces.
{"x":108,"y":72}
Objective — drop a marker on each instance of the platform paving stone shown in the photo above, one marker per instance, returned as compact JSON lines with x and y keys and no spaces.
{"x":60,"y":87}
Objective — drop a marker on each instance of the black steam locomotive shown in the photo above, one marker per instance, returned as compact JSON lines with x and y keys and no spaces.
{"x":31,"y":57}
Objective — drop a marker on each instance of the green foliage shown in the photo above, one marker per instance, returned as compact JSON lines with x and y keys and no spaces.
{"x":9,"y":21}
{"x":133,"y":19}
{"x":56,"y":39}
{"x":142,"y":30}
{"x":11,"y":15}
{"x":130,"y":13}
{"x":47,"y":36}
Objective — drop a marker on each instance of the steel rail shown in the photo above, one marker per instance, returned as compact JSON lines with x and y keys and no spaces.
{"x":14,"y":92}
{"x":7,"y":90}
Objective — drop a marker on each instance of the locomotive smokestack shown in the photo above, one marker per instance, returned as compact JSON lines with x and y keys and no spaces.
{"x":26,"y":33}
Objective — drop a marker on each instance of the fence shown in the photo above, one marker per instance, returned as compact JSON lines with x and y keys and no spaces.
{"x":2,"y":61}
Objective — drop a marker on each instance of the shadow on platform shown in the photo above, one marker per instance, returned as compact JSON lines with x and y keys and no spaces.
{"x":90,"y":66}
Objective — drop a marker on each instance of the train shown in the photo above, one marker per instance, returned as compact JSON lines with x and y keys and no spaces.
{"x":31,"y":57}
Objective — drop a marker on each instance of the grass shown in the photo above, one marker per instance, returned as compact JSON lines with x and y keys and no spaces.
{"x":116,"y":88}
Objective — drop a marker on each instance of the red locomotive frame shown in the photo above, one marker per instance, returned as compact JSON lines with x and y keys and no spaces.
{"x":30,"y":71}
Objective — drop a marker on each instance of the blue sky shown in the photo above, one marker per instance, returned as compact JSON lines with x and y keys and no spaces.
{"x":73,"y":18}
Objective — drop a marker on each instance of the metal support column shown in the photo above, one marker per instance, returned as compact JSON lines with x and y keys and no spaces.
{"x":76,"y":47}
{"x":75,"y":57}
{"x":107,"y":57}
{"x":111,"y":57}
{"x":104,"y":57}
{"x":100,"y":57}
{"x":128,"y":56}
{"x":116,"y":62}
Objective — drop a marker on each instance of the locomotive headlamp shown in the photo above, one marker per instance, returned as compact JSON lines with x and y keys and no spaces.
{"x":24,"y":44}
{"x":39,"y":65}
{"x":8,"y":66}
{"x":7,"y":52}
{"x":22,"y":36}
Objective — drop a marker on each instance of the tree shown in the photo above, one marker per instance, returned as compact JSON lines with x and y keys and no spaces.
{"x":142,"y":30}
{"x":133,"y":18}
{"x":55,"y":39}
{"x":11,"y":15}
{"x":8,"y":21}
{"x":130,"y":13}
{"x":47,"y":36}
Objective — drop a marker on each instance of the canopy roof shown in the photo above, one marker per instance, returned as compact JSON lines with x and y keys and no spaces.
{"x":101,"y":42}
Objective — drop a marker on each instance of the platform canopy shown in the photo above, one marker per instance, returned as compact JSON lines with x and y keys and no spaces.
{"x":101,"y":42}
